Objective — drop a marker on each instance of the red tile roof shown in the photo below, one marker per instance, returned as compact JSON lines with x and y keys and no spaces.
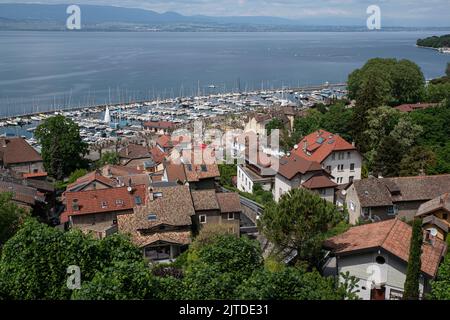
{"x":157,"y":155}
{"x":321,"y":144}
{"x":412,"y":107}
{"x":319,"y":182}
{"x":16,"y":150}
{"x":393,"y":236}
{"x":103,"y":200}
{"x":291,"y":165}
{"x":35,"y":175}
{"x":134,"y":151}
{"x":90,"y":178}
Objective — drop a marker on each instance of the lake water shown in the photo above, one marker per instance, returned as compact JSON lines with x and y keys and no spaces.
{"x":47,"y":70}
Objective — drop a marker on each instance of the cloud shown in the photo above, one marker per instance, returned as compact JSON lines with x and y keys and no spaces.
{"x":431,"y":12}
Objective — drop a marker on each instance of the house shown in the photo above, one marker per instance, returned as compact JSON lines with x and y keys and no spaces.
{"x":217,"y":208}
{"x":136,"y":156}
{"x":255,"y":171}
{"x":257,"y":123}
{"x":159,"y":127}
{"x":377,"y":255}
{"x":435,"y":215}
{"x":297,"y":172}
{"x":91,"y":181}
{"x":202,"y":176}
{"x":27,"y":197}
{"x":18,"y":155}
{"x":96,"y":211}
{"x":338,"y":156}
{"x":387,"y":198}
{"x":162,"y":227}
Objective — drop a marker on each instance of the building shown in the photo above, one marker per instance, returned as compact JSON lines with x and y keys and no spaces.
{"x":160,"y":127}
{"x":336,"y":155}
{"x":377,"y":255}
{"x":25,"y":196}
{"x":162,"y":227}
{"x":386,"y":198}
{"x":297,"y":172}
{"x":255,"y":171}
{"x":197,"y":176}
{"x":257,"y":123}
{"x":217,"y":208}
{"x":136,"y":156}
{"x":416,"y":106}
{"x":91,"y":181}
{"x":435,"y":215}
{"x":96,"y":211}
{"x":18,"y":155}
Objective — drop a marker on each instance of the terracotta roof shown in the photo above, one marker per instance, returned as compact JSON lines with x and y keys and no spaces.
{"x":171,"y":206}
{"x":440,"y":203}
{"x":134,"y":151}
{"x":135,"y":179}
{"x":175,"y":172}
{"x":25,"y":194}
{"x":229,"y":202}
{"x":35,"y":175}
{"x":196,"y":173}
{"x":16,"y":150}
{"x":89,"y":178}
{"x":375,"y":192}
{"x":291,"y":165}
{"x":416,"y":106}
{"x":104,"y":200}
{"x":159,"y":125}
{"x":118,"y":171}
{"x":321,"y":144}
{"x":205,"y":200}
{"x":319,"y":182}
{"x":157,"y":155}
{"x":393,"y":236}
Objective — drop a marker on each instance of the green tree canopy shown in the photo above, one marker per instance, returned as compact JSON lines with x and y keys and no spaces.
{"x":62,"y":147}
{"x":440,"y":287}
{"x":299,"y":222}
{"x":11,"y":216}
{"x":414,"y":263}
{"x":108,"y":157}
{"x":419,"y":160}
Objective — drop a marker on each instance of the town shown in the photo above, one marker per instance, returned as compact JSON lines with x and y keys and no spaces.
{"x":351,"y":202}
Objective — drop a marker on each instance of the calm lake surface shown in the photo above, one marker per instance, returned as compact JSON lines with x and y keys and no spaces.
{"x":42,"y":71}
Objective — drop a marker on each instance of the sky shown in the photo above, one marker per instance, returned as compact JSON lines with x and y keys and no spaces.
{"x":393,"y":12}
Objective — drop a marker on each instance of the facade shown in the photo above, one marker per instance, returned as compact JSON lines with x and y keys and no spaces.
{"x":435,"y":215}
{"x":162,"y":227}
{"x":336,"y":155}
{"x":386,"y":198}
{"x":96,"y":211}
{"x":377,"y":255}
{"x":296,"y":172}
{"x":16,"y":154}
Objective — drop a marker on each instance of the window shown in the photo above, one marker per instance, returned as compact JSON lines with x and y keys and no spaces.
{"x":157,"y":195}
{"x":333,"y":156}
{"x":349,"y":155}
{"x":104,"y":204}
{"x":202,"y":219}
{"x":395,"y":294}
{"x":380,"y":260}
{"x":230,"y":216}
{"x":351,"y":178}
{"x":138,"y":200}
{"x":152,"y":217}
{"x":329,"y":168}
{"x":352,"y":205}
{"x":189,"y":167}
{"x":204,"y":168}
{"x":366,"y":212}
{"x":119,"y":202}
{"x":341,"y":155}
{"x":445,"y":216}
{"x":340,"y":167}
{"x":390,"y":211}
{"x":352,"y":167}
{"x":339,"y":180}
{"x":323,"y":192}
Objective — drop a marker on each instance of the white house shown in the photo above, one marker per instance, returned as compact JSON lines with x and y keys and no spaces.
{"x":336,"y":155}
{"x":377,"y":255}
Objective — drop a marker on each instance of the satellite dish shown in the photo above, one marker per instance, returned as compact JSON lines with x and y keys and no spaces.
{"x":296,"y":147}
{"x":433,"y":232}
{"x":129,"y":189}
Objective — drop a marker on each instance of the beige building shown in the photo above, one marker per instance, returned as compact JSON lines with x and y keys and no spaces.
{"x":16,"y":154}
{"x":435,"y":215}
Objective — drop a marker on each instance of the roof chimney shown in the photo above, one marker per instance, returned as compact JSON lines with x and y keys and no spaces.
{"x":305,"y":145}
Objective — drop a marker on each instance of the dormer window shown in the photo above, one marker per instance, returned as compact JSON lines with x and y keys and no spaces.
{"x":104,"y":204}
{"x":152,"y":217}
{"x":157,"y":195}
{"x":137,"y":200}
{"x":119,"y":202}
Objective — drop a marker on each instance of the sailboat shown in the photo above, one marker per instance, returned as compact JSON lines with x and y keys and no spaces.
{"x":107,"y":119}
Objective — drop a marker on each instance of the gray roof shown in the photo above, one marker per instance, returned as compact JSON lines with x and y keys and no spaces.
{"x":375,"y":192}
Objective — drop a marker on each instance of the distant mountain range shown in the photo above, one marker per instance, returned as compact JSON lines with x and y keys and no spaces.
{"x":53,"y":17}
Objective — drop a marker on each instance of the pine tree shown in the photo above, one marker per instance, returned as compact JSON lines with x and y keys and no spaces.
{"x":414,"y":263}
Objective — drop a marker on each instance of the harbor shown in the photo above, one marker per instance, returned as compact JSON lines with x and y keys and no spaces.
{"x":106,"y":123}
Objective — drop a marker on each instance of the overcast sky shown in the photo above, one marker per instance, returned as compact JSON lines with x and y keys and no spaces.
{"x":397,"y":12}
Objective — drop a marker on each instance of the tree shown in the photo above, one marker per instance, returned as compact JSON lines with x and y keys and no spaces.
{"x":288,"y":284}
{"x":274,"y":124}
{"x":447,"y":70}
{"x":108,"y":157}
{"x":413,"y":270}
{"x":62,"y":147}
{"x":419,"y":161}
{"x":11,"y":216}
{"x":298,"y":223}
{"x":440,"y":287}
{"x":217,"y":268}
{"x":387,"y":158}
{"x":74,"y":176}
{"x":34,"y":261}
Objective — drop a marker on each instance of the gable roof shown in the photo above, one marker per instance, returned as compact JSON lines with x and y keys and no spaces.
{"x":157,"y":155}
{"x":293,"y":164}
{"x":134,"y":151}
{"x":21,"y":193}
{"x":89,"y":178}
{"x":175,"y":172}
{"x":103,"y":200}
{"x":16,"y":150}
{"x":205,"y":200}
{"x":439,"y":203}
{"x":229,"y":202}
{"x":373,"y":192}
{"x":118,"y":171}
{"x":319,"y":181}
{"x":416,"y":106}
{"x":393,"y":236}
{"x":195,"y":173}
{"x":320,"y":144}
